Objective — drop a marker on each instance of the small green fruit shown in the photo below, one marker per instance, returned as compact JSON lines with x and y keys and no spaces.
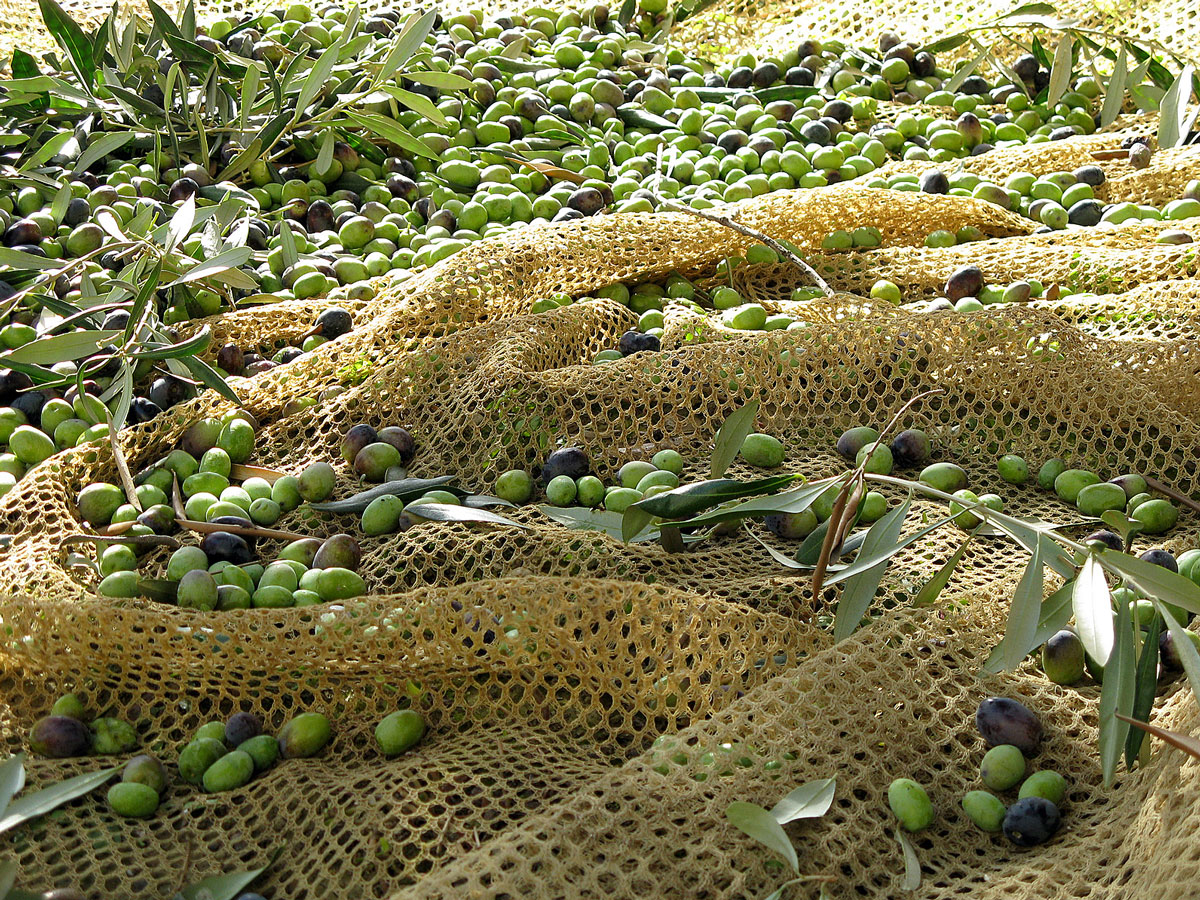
{"x":1047,"y":784}
{"x":984,"y":809}
{"x":1063,"y":658}
{"x":133,"y":800}
{"x":147,"y":770}
{"x":263,"y":749}
{"x":880,"y":459}
{"x":910,"y":804}
{"x":304,"y":736}
{"x":1070,"y":482}
{"x":515,"y":486}
{"x":1014,"y":470}
{"x":112,"y":736}
{"x":1050,"y":471}
{"x":1003,"y":767}
{"x":196,"y":757}
{"x":69,"y":705}
{"x":762,"y":450}
{"x":230,"y":772}
{"x":944,"y":477}
{"x":1157,"y":516}
{"x":399,"y":731}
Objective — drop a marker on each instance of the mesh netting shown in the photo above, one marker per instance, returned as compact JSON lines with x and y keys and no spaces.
{"x":594,"y":706}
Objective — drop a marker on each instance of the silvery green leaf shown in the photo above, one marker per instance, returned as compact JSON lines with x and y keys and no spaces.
{"x":1092,"y":604}
{"x":761,"y":825}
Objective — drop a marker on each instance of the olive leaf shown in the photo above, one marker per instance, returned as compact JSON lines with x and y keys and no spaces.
{"x":861,"y":586}
{"x":1023,"y":616}
{"x":1116,"y":693}
{"x":730,"y":437}
{"x":809,"y":801}
{"x":225,"y":886}
{"x":933,"y":588}
{"x":1053,"y":617}
{"x":22,"y":809}
{"x":406,"y":489}
{"x":689,"y":499}
{"x":12,"y":779}
{"x":1189,"y":655}
{"x":1145,"y":688}
{"x":1092,"y":604}
{"x":761,"y":825}
{"x":606,"y":521}
{"x":1114,"y":94}
{"x":1173,"y":110}
{"x":912,"y":865}
{"x":1060,"y":70}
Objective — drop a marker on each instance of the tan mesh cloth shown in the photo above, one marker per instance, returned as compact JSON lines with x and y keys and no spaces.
{"x":563,"y":673}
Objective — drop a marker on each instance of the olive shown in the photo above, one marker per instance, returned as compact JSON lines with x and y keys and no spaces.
{"x":333,"y":323}
{"x":181,"y":189}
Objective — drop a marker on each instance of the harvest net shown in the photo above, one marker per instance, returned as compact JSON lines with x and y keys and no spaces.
{"x":594,"y":706}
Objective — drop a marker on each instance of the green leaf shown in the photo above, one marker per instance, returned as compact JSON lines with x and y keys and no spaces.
{"x":1060,"y":71}
{"x":408,"y":41}
{"x":759,"y":824}
{"x":634,"y":522}
{"x":124,"y":394}
{"x":60,"y":347}
{"x":190,"y":347}
{"x":1154,"y":581}
{"x":950,"y":42}
{"x":222,"y":887}
{"x":933,"y":588}
{"x":862,"y":563}
{"x":447,"y":512}
{"x":287,"y":244}
{"x":1116,"y":694}
{"x":860,"y":587}
{"x":23,"y":65}
{"x":101,"y":147}
{"x":809,"y":801}
{"x":443,"y":81}
{"x":209,"y":377}
{"x":1145,"y":687}
{"x":794,"y":501}
{"x":405,"y":488}
{"x":70,"y":36}
{"x":602,"y":520}
{"x":325,"y":152}
{"x":1023,"y":615}
{"x":212,"y":268}
{"x":8,"y":875}
{"x":964,"y":72}
{"x":791,"y":92}
{"x":418,"y":103}
{"x":41,"y":802}
{"x":689,"y":499}
{"x":1092,"y":604}
{"x":1053,"y":617}
{"x":12,"y":779}
{"x":730,"y":436}
{"x":391,"y":130}
{"x":1114,"y":94}
{"x":1173,"y":110}
{"x":52,"y":147}
{"x":912,"y":865}
{"x":317,"y":76}
{"x":19,"y":259}
{"x":1189,"y":655}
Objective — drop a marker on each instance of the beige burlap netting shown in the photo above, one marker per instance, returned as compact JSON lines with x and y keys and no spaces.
{"x":594,"y":706}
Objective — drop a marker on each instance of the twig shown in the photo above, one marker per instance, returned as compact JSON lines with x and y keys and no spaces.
{"x":242,"y":472}
{"x":896,"y":418}
{"x":831,"y":532}
{"x":270,"y":533}
{"x":144,"y":540}
{"x":1172,"y":493}
{"x":751,"y":233}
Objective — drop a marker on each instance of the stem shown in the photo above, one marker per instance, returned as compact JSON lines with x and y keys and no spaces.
{"x":751,"y":233}
{"x":1173,"y":494}
{"x":144,"y":540}
{"x":270,"y":533}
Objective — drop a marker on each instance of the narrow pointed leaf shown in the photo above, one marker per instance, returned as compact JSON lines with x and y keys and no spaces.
{"x":912,"y":865}
{"x":933,"y":588}
{"x":1023,"y":615}
{"x":603,"y":520}
{"x":634,"y":522}
{"x":70,"y":36}
{"x":443,"y":81}
{"x":1145,"y":687}
{"x":391,"y":130}
{"x":100,"y":148}
{"x":60,"y":347}
{"x":1173,"y":110}
{"x":1154,"y":581}
{"x":1054,"y":616}
{"x":1060,"y":70}
{"x":809,"y":801}
{"x":209,"y":377}
{"x":795,"y":500}
{"x":216,"y":266}
{"x":407,"y":42}
{"x":966,"y":71}
{"x":446,"y":512}
{"x":19,"y":259}
{"x":759,"y":824}
{"x":1116,"y":695}
{"x":405,"y":488}
{"x":197,"y":343}
{"x":41,"y":802}
{"x":1092,"y":604}
{"x":1114,"y":94}
{"x":317,"y":76}
{"x":221,"y":887}
{"x":689,"y":499}
{"x":1189,"y":655}
{"x":181,"y":223}
{"x":729,"y":438}
{"x":860,"y":588}
{"x":862,"y":563}
{"x":12,"y":779}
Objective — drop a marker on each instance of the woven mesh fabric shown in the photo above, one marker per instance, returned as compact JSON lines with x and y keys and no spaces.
{"x":594,"y":706}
